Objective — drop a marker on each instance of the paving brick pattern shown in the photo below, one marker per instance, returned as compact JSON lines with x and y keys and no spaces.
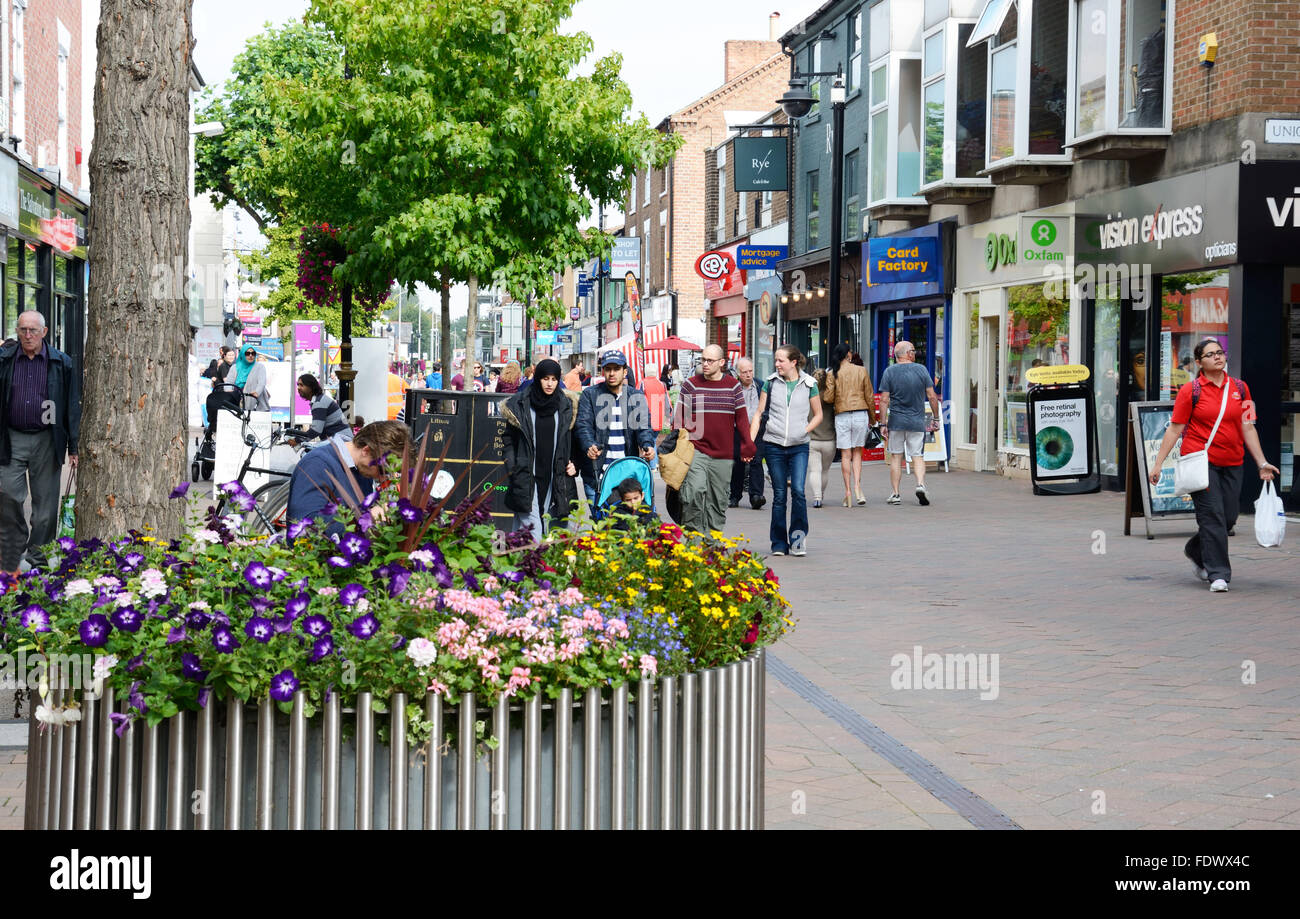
{"x":1121,"y":704}
{"x":13,"y":785}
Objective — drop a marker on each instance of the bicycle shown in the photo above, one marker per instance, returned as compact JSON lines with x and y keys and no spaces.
{"x":270,"y":501}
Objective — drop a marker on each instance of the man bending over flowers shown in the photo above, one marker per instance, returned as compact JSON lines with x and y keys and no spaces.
{"x":314,"y":487}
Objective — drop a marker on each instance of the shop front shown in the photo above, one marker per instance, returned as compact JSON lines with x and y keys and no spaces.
{"x":764,"y":298}
{"x":907,"y":281}
{"x":1012,"y":311}
{"x":1162,"y":266}
{"x":728,"y":308}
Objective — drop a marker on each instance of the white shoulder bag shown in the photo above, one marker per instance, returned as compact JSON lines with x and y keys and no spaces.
{"x":1192,"y":471}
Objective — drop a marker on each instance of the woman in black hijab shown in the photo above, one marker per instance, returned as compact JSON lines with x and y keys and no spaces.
{"x":540,"y":487}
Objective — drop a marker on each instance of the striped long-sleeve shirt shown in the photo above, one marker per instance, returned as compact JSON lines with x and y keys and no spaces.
{"x":326,"y":417}
{"x":711,"y":410}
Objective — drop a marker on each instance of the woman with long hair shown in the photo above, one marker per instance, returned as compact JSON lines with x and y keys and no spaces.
{"x":848,"y":388}
{"x":1212,"y":413}
{"x":510,"y":378}
{"x":789,"y":397}
{"x":540,"y":487}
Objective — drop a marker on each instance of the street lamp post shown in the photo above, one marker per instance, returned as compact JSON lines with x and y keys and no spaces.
{"x":796,"y":103}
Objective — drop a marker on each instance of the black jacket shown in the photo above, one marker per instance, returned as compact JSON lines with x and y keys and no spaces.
{"x":63,"y":389}
{"x":520,"y":456}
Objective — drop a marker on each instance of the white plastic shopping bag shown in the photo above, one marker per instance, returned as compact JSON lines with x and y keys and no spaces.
{"x":1270,"y":518}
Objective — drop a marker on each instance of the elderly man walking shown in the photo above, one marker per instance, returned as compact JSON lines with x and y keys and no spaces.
{"x":742,"y":473}
{"x":40,"y":421}
{"x":711,"y":408}
{"x":904,"y":388}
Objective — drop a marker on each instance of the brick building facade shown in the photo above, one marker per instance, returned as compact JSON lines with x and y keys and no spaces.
{"x":42,"y":85}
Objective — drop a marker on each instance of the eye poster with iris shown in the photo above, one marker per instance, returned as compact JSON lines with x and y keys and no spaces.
{"x":1062,"y":438}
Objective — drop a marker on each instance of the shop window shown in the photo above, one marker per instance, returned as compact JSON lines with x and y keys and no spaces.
{"x":1193,"y":306}
{"x":852,"y":203}
{"x":813,"y":199}
{"x":1120,"y":74}
{"x":1105,"y":369}
{"x":9,"y":325}
{"x":1037,"y":334}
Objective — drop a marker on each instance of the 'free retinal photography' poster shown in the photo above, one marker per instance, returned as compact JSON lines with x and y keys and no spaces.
{"x":1060,"y":445}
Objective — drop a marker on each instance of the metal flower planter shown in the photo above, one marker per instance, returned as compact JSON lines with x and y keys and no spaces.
{"x":676,"y":753}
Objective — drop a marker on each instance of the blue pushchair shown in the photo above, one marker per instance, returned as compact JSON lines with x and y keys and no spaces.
{"x":628,"y":467}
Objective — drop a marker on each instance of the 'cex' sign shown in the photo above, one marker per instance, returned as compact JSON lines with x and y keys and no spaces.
{"x":718,"y":269}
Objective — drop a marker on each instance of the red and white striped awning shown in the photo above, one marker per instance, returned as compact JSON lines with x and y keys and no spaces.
{"x":627,"y":344}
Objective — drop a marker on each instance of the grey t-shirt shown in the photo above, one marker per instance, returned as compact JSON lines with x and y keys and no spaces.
{"x":906,"y":384}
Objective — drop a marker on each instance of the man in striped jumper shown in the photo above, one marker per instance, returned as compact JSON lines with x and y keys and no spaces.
{"x":711,"y":408}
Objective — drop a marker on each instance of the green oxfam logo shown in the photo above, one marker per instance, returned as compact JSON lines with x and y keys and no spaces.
{"x":1043,"y":233}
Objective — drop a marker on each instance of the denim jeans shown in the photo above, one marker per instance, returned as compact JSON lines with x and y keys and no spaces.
{"x":787,"y":463}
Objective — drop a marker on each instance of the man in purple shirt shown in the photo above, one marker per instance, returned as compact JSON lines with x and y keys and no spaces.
{"x":40,"y":421}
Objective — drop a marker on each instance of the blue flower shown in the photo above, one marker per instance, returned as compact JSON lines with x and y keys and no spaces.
{"x":296,"y":605}
{"x":316,"y":626}
{"x":180,"y":490}
{"x":364,"y":627}
{"x":197,"y":620}
{"x":190,"y":668}
{"x":283,"y":685}
{"x":408,"y":511}
{"x":350,"y":594}
{"x":177,"y":633}
{"x":223,"y":639}
{"x":321,"y":648}
{"x":257,"y":575}
{"x":126,"y":618}
{"x":356,"y":547}
{"x":35,"y":618}
{"x":259,"y":629}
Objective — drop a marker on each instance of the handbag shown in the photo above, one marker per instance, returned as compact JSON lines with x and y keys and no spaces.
{"x":1270,"y":518}
{"x":68,"y":508}
{"x":873,"y":437}
{"x":1192,"y":470}
{"x":675,"y":455}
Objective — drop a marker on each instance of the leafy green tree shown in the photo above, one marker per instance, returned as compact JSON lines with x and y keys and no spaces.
{"x":455,"y":142}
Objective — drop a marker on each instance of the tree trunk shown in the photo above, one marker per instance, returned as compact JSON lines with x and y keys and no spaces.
{"x":134,"y":430}
{"x":471,"y":325}
{"x":445,"y":343}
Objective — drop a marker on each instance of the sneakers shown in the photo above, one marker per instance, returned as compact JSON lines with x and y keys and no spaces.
{"x":922,"y":496}
{"x":757,"y":503}
{"x":778,"y":552}
{"x":799,"y":551}
{"x":894,"y":499}
{"x":1219,"y":586}
{"x":733,"y":503}
{"x":817,"y":502}
{"x":1200,"y":572}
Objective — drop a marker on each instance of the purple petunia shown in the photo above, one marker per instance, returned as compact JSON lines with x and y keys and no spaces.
{"x":513,"y":576}
{"x":296,"y":605}
{"x":338,"y":561}
{"x":223,"y":639}
{"x":283,"y":685}
{"x":121,"y":722}
{"x":356,"y":548}
{"x":180,"y":491}
{"x":321,"y":648}
{"x":35,"y":619}
{"x":126,"y":618}
{"x":197,"y":619}
{"x":471,"y":582}
{"x":136,"y":698}
{"x":408,"y":511}
{"x":260,"y":605}
{"x":297,"y":528}
{"x":190,"y":668}
{"x":135,"y":663}
{"x":316,"y":626}
{"x":95,"y":630}
{"x":175,"y":634}
{"x":350,"y":594}
{"x":67,"y":543}
{"x":257,"y":575}
{"x":131,"y":561}
{"x":259,"y":629}
{"x":364,"y":627}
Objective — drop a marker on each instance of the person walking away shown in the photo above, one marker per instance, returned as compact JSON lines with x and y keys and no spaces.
{"x":434,"y":379}
{"x":1213,"y":413}
{"x":904,"y":388}
{"x":510,"y":378}
{"x":613,"y":421}
{"x":821,"y":448}
{"x":312,"y":487}
{"x":748,"y":476}
{"x":848,"y":388}
{"x":656,"y":394}
{"x":539,"y":470}
{"x":573,"y":379}
{"x":40,"y":423}
{"x":711,"y":409}
{"x":326,"y":416}
{"x":790,"y":396}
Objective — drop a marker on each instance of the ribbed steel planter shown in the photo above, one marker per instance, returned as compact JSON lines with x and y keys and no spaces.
{"x":683,"y":753}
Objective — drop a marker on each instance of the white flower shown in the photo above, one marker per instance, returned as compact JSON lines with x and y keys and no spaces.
{"x":78,"y":588}
{"x":104,"y":665}
{"x":125,"y":598}
{"x":153,"y":583}
{"x":200,"y":605}
{"x":362,"y":605}
{"x":72,"y":714}
{"x":422,"y":651}
{"x":49,"y":715}
{"x":423,"y":556}
{"x":206,"y":535}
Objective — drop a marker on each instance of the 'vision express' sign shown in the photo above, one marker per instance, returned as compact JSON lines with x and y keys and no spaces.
{"x":903,"y":259}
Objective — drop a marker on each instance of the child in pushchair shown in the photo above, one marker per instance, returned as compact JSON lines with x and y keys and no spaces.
{"x":626,"y":493}
{"x":224,"y":397}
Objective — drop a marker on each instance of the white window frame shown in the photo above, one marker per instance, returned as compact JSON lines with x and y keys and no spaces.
{"x":905,"y":44}
{"x":19,"y":105}
{"x":855,"y":23}
{"x":64,"y":52}
{"x":720,"y":224}
{"x":645,"y":191}
{"x":631,"y":208}
{"x":645,"y":255}
{"x":1024,"y":65}
{"x":663,"y":235}
{"x":952,"y":52}
{"x":765,"y":209}
{"x":1110,"y":119}
{"x":853,"y":204}
{"x":742,"y":213}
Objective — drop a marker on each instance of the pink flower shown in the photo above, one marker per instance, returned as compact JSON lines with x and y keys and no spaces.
{"x":649,"y":666}
{"x":616,"y":628}
{"x":438,"y":688}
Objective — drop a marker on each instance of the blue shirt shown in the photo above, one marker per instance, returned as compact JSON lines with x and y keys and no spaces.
{"x":906,"y":383}
{"x":434,"y":380}
{"x":311,"y":487}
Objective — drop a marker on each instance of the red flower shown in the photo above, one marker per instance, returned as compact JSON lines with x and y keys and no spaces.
{"x":771,"y":576}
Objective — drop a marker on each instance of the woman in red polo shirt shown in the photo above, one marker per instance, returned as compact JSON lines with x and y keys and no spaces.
{"x":1216,"y":506}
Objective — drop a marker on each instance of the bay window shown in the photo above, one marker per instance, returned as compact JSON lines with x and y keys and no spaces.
{"x":1119,"y":71}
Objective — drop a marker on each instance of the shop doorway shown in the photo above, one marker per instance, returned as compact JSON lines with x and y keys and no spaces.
{"x":989,"y":398}
{"x":918,"y":327}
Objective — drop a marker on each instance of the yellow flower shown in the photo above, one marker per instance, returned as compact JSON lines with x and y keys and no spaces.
{"x":654,"y":587}
{"x":654,"y":562}
{"x":636,"y":576}
{"x":570,"y":554}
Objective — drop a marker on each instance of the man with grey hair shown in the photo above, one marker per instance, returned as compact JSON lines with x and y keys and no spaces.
{"x":711,"y":408}
{"x":747,"y":473}
{"x":40,"y":422}
{"x":904,"y":388}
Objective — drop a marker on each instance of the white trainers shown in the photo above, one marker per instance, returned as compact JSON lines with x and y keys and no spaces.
{"x":1219,"y":586}
{"x":894,"y":499}
{"x":922,"y":496}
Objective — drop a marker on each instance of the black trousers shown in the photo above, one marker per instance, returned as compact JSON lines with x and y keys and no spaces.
{"x":746,"y":476}
{"x":1216,"y":514}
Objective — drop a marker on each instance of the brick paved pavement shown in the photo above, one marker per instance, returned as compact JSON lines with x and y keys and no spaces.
{"x":13,"y":782}
{"x":1120,"y":674}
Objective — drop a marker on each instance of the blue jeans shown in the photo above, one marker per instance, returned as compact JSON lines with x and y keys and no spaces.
{"x":787,"y":463}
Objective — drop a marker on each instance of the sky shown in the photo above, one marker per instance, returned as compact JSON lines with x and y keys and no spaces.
{"x":672,"y":49}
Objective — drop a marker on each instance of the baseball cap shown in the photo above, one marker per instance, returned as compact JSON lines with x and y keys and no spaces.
{"x":613,"y":357}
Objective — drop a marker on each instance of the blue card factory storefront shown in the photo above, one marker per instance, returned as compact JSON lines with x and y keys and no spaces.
{"x":906,"y":281}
